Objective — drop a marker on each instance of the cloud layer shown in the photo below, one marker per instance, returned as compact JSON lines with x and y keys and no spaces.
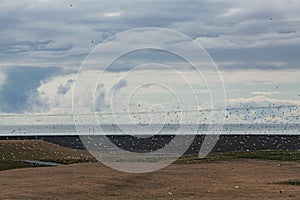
{"x":43,"y":33}
{"x":256,"y":45}
{"x":20,"y":87}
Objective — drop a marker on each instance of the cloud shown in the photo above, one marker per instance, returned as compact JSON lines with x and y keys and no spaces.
{"x":119,"y":85}
{"x":260,"y":101}
{"x":262,"y":109}
{"x":56,"y":94}
{"x":20,"y":85}
{"x":44,"y":33}
{"x":271,"y":93}
{"x":112,"y":14}
{"x":36,"y":46}
{"x":2,"y":78}
{"x":261,"y":77}
{"x":100,"y":99}
{"x":255,"y":43}
{"x":64,"y":88}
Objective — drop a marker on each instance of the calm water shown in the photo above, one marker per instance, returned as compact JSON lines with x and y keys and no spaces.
{"x":228,"y":129}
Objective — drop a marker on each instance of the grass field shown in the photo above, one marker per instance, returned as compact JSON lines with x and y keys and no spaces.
{"x":232,"y":175}
{"x":258,"y":155}
{"x":291,"y":182}
{"x":13,"y":164}
{"x":13,"y":152}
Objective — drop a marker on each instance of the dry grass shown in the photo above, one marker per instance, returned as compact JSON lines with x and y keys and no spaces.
{"x":237,"y":175}
{"x":12,"y":152}
{"x":247,"y":179}
{"x":291,"y":182}
{"x":282,"y":156}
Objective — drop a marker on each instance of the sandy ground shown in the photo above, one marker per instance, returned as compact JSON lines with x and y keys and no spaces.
{"x":249,"y":179}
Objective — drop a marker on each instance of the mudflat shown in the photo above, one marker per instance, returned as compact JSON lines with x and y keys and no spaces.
{"x":237,"y":179}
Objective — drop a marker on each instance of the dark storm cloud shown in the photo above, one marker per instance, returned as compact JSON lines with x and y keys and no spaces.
{"x":20,"y":85}
{"x":78,"y":28}
{"x":52,"y":31}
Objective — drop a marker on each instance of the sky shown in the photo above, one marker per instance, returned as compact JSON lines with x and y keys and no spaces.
{"x":255,"y":45}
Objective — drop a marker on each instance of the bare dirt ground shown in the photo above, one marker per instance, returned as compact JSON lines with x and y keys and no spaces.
{"x":243,"y":179}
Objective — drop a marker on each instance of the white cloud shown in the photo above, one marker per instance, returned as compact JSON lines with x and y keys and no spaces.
{"x":262,"y":109}
{"x":271,"y":93}
{"x":122,"y":83}
{"x":112,"y":14}
{"x":254,"y":34}
{"x":260,"y":100}
{"x":253,"y":77}
{"x":62,"y":101}
{"x":2,"y":78}
{"x":143,"y":91}
{"x":51,"y":99}
{"x":233,"y":12}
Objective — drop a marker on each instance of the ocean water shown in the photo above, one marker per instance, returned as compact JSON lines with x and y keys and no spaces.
{"x":157,"y":129}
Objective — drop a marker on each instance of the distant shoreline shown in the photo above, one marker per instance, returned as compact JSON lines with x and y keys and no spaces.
{"x":226,"y":143}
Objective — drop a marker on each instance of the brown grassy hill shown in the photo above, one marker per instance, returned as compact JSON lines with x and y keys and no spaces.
{"x":41,"y":150}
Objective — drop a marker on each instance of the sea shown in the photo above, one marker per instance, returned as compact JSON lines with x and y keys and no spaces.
{"x":144,"y":129}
